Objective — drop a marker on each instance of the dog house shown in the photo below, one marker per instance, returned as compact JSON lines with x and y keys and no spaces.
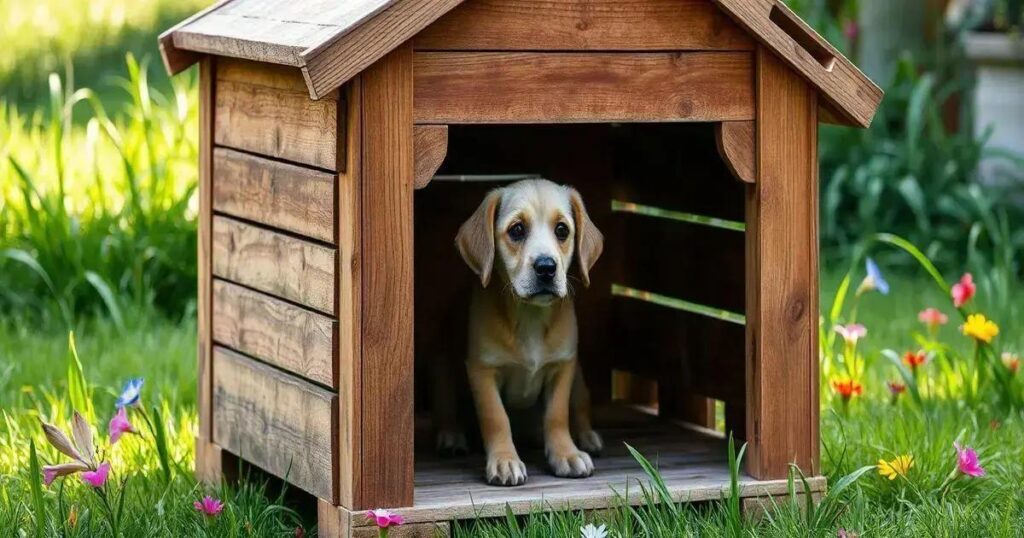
{"x":342,"y":143}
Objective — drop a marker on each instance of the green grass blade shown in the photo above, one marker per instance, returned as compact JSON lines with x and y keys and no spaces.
{"x":35,"y":479}
{"x":79,"y":394}
{"x":108,"y":296}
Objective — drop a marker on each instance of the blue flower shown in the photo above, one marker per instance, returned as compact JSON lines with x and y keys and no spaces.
{"x":874,"y":280}
{"x":130,"y":393}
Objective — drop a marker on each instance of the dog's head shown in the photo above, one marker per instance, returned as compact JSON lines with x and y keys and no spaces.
{"x":533,"y":229}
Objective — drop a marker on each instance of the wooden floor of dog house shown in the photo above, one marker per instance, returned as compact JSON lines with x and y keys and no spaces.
{"x":692,"y":462}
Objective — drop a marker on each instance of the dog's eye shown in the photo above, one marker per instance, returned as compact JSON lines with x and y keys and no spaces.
{"x":561,"y":231}
{"x":517,"y":232}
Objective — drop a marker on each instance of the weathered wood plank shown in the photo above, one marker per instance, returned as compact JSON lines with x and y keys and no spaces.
{"x":289,"y":337}
{"x":177,"y":60}
{"x":506,"y":87}
{"x":387,"y":277}
{"x":606,"y":25}
{"x":331,"y":63}
{"x":261,"y":115}
{"x":281,"y":195}
{"x":782,"y":271}
{"x":204,"y":254}
{"x":275,"y":421}
{"x":735,"y":141}
{"x":852,"y":95}
{"x":260,"y":74}
{"x":274,"y":263}
{"x":430,"y":145}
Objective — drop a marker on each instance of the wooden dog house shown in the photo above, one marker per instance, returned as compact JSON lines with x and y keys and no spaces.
{"x":322,"y":126}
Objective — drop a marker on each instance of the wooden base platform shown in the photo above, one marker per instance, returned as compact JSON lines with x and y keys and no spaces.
{"x":692,"y":461}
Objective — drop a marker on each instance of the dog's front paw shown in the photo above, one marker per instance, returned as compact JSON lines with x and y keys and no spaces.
{"x":572,"y":463}
{"x":591,"y":442}
{"x":505,"y":469}
{"x":452,"y":443}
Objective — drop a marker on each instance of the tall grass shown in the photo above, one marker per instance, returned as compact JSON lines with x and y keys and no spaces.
{"x":100,"y":217}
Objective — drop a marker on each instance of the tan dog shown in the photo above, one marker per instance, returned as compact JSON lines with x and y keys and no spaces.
{"x":522,"y":328}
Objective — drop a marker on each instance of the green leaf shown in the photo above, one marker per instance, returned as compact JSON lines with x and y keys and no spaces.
{"x":108,"y":296}
{"x":79,"y":393}
{"x":35,"y":481}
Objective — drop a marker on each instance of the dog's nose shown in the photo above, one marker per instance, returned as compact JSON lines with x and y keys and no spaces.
{"x":545,"y":267}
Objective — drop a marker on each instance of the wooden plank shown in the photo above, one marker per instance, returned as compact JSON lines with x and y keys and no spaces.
{"x":286,"y":336}
{"x":204,"y":254}
{"x":850,"y":94}
{"x":608,"y":25}
{"x":260,"y":74}
{"x":509,"y":87}
{"x":286,"y":196}
{"x":430,"y":145}
{"x":274,"y":263}
{"x":412,"y":530}
{"x":275,"y":421}
{"x":387,"y":277}
{"x":260,"y":115}
{"x":735,"y":141}
{"x":331,"y":63}
{"x":177,"y":60}
{"x":350,"y":302}
{"x":782,"y":252}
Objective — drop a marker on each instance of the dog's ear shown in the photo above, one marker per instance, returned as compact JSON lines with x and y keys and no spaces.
{"x":475,"y":239}
{"x":589,"y":241}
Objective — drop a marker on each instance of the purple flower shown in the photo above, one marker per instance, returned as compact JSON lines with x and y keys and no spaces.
{"x":209,"y":506}
{"x":967,"y":461}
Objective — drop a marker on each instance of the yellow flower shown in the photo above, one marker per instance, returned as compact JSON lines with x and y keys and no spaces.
{"x":897,"y":467}
{"x":979,"y":328}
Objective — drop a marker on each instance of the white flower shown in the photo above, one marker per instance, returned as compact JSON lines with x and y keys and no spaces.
{"x":590,"y":531}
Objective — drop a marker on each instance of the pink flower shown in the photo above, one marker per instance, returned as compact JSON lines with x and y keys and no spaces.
{"x":384,"y":518}
{"x":852,"y":332}
{"x":963,"y":291}
{"x":119,"y":425}
{"x":850,"y":30}
{"x":98,"y":477}
{"x":967,"y":461}
{"x":209,"y":506}
{"x":932,"y":317}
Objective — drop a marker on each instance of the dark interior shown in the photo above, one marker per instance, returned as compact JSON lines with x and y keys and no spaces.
{"x":666,"y":166}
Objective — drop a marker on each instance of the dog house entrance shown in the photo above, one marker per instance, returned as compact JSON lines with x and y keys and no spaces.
{"x":661,"y":327}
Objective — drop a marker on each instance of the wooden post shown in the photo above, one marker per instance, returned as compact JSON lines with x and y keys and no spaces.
{"x":386,"y":318}
{"x":782,"y":275}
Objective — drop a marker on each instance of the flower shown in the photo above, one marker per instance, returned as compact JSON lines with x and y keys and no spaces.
{"x":852,"y":332}
{"x":119,"y":425}
{"x":98,"y":477}
{"x":874,"y":279}
{"x":963,"y":291}
{"x":850,"y":30}
{"x":1011,"y":361}
{"x":383,"y":518}
{"x":914,"y":359}
{"x":896,"y":388}
{"x":590,"y":531}
{"x":932,"y":317}
{"x":130,"y":393}
{"x":81,"y":450}
{"x":897,"y":467}
{"x":979,"y":328}
{"x":209,"y":506}
{"x":847,"y":388}
{"x":967,"y":461}
{"x":843,"y":533}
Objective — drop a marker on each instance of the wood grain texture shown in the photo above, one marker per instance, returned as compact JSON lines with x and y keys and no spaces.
{"x":606,"y":25}
{"x":505,"y":87}
{"x":387,"y":278}
{"x":430,"y":145}
{"x":350,"y":302}
{"x":259,"y":115}
{"x":286,"y":196}
{"x":782,"y":252}
{"x":209,"y":468}
{"x":275,"y":421}
{"x":339,"y":58}
{"x":175,"y":59}
{"x":275,"y":263}
{"x":735,"y":141}
{"x":284,"y":335}
{"x":204,"y":254}
{"x":851,"y":94}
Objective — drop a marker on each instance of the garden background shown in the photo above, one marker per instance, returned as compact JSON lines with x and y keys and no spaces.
{"x":97,"y":236}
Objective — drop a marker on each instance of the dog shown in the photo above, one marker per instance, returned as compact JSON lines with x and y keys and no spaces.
{"x":522,"y":337}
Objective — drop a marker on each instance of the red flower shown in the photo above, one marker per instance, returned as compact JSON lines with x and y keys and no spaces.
{"x":896,"y":388}
{"x":963,"y":291}
{"x":914,"y":359}
{"x":847,"y":388}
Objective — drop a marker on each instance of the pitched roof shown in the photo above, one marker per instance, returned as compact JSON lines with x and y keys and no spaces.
{"x":333,"y":40}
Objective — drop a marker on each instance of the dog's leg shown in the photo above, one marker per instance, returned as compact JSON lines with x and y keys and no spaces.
{"x":451,"y":439}
{"x":564,"y":458}
{"x":588,"y":439}
{"x":504,"y":468}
